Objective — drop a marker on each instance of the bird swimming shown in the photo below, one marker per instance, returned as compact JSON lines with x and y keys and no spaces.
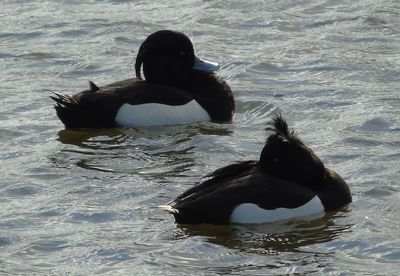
{"x":178,"y":88}
{"x":287,"y":181}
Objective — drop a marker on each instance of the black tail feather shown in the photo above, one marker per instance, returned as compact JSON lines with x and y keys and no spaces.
{"x":92,"y":86}
{"x":66,"y":108}
{"x":62,"y":100}
{"x":75,"y":113}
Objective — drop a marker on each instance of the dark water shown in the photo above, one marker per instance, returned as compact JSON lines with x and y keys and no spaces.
{"x":83,"y":202}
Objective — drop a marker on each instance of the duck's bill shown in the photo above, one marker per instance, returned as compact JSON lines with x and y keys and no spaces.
{"x":204,"y":65}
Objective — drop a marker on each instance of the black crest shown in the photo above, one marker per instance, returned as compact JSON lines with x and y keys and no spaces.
{"x":281,"y":129}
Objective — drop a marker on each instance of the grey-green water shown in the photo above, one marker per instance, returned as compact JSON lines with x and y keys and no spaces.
{"x":82,"y":202}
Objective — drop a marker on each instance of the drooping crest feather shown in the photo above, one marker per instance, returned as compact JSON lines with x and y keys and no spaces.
{"x":139,"y":62}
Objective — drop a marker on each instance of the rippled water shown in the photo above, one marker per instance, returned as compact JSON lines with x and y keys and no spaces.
{"x":83,"y":201}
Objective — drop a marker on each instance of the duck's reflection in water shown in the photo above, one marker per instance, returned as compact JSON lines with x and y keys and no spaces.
{"x":272,"y":238}
{"x":156,"y":152}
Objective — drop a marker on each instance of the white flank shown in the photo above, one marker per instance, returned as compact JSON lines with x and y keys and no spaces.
{"x":251,"y":213}
{"x":155,"y":114}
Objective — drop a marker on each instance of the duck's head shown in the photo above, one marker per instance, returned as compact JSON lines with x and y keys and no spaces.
{"x":168,"y":58}
{"x":286,"y":156}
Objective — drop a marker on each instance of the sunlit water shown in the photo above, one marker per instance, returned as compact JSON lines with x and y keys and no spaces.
{"x":83,"y":201}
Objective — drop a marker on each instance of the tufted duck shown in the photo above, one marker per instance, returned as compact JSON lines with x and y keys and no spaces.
{"x":288,"y":181}
{"x":178,"y":88}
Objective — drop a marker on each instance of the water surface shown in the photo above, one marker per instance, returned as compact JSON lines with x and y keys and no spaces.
{"x":83,"y":201}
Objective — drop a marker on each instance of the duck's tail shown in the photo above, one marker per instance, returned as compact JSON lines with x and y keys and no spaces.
{"x":67,"y":110}
{"x":82,"y":111}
